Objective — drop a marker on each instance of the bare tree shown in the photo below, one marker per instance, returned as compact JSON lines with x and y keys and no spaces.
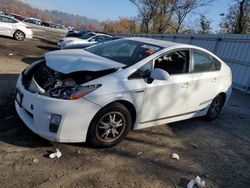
{"x":204,"y":25}
{"x":147,"y":10}
{"x":162,"y":20}
{"x":237,"y":20}
{"x":182,"y":8}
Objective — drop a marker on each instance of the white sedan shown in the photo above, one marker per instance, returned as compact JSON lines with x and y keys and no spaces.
{"x":100,"y":93}
{"x":14,"y":28}
{"x":89,"y":38}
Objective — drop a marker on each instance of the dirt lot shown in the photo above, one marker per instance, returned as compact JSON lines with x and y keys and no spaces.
{"x":218,"y":151}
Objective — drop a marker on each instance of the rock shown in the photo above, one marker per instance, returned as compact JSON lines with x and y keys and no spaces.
{"x":35,"y":160}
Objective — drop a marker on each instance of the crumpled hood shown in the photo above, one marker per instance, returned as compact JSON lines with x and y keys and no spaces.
{"x":68,"y":61}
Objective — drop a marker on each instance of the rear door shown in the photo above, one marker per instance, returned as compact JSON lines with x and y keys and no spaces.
{"x":205,"y":73}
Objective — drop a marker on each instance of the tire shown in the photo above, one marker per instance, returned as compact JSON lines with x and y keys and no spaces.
{"x":215,"y":108}
{"x":109,"y":126}
{"x":19,"y":35}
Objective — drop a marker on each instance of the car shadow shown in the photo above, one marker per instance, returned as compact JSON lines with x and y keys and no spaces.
{"x":12,"y":130}
{"x":45,"y":40}
{"x":7,"y":37}
{"x":48,"y":48}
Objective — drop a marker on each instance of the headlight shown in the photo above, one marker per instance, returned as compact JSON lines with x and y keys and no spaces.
{"x":72,"y":93}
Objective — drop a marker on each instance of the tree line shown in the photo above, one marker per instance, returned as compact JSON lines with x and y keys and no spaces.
{"x":169,"y":16}
{"x":54,"y":16}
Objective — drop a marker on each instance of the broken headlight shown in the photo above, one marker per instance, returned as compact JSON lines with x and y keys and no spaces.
{"x":72,"y":93}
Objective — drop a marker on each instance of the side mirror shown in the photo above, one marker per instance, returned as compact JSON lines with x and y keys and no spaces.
{"x":159,"y":74}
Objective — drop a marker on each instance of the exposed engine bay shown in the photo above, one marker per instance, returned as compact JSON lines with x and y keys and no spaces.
{"x":46,"y":81}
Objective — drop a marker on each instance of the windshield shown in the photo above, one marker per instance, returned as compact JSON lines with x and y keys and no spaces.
{"x":124,"y":51}
{"x":87,"y":36}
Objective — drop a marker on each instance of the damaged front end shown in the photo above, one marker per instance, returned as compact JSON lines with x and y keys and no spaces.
{"x":41,"y":79}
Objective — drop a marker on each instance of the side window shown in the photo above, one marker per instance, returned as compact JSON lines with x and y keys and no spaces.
{"x":8,"y":20}
{"x":96,"y":38}
{"x":143,"y":72}
{"x":203,"y":62}
{"x":217,"y":64}
{"x":174,"y":63}
{"x":101,"y":38}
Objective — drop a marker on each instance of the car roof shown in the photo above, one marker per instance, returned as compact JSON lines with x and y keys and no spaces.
{"x":161,"y":43}
{"x":167,"y":44}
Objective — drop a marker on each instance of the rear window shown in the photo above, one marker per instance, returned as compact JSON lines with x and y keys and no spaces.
{"x":124,"y":51}
{"x":203,"y":62}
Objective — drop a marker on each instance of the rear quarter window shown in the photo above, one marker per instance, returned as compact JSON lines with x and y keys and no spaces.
{"x":204,"y":62}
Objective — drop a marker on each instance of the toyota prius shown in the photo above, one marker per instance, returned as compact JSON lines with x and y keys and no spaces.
{"x":97,"y":95}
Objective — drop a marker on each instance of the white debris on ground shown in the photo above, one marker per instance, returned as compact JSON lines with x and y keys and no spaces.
{"x":10,"y":54}
{"x":35,"y":160}
{"x":196,"y":182}
{"x":175,"y":156}
{"x":57,"y":154}
{"x":139,"y":153}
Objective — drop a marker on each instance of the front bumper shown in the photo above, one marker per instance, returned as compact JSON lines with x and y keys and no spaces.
{"x":36,"y":110}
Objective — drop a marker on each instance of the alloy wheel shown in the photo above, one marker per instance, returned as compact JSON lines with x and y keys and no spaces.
{"x":110,"y":126}
{"x":19,"y":36}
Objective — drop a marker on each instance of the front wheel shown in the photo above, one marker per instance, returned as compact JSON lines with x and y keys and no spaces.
{"x":19,"y":35}
{"x":215,"y":108}
{"x":110,"y":126}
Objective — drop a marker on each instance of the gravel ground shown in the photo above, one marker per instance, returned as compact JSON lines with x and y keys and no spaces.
{"x":218,"y":151}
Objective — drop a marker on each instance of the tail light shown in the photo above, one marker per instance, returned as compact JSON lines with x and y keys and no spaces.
{"x":28,"y":27}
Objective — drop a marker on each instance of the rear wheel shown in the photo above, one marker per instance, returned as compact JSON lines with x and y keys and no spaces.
{"x":110,"y":126}
{"x":215,"y":108}
{"x":19,"y":35}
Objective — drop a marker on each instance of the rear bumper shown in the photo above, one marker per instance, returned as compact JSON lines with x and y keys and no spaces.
{"x":29,"y":34}
{"x":36,"y":111}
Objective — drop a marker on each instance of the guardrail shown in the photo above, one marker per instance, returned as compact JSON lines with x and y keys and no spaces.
{"x":234,"y":49}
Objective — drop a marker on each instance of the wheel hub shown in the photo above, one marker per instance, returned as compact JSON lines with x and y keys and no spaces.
{"x":110,"y":126}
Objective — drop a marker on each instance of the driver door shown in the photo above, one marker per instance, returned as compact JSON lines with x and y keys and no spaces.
{"x":164,"y":99}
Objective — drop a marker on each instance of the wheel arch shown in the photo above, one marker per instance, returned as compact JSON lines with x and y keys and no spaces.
{"x":224,"y":95}
{"x":131,"y":108}
{"x":20,"y":31}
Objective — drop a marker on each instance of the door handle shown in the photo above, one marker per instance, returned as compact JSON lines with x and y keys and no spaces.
{"x":186,"y":85}
{"x":214,"y":80}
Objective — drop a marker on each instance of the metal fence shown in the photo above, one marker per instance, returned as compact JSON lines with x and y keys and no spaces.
{"x":234,"y":49}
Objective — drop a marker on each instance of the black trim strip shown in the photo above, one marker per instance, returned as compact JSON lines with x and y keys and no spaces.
{"x":139,"y":91}
{"x":171,"y":116}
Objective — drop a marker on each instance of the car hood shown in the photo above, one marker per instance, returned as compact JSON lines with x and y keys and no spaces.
{"x":68,"y":61}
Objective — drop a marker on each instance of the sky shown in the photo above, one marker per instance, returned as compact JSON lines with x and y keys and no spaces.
{"x":113,"y":9}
